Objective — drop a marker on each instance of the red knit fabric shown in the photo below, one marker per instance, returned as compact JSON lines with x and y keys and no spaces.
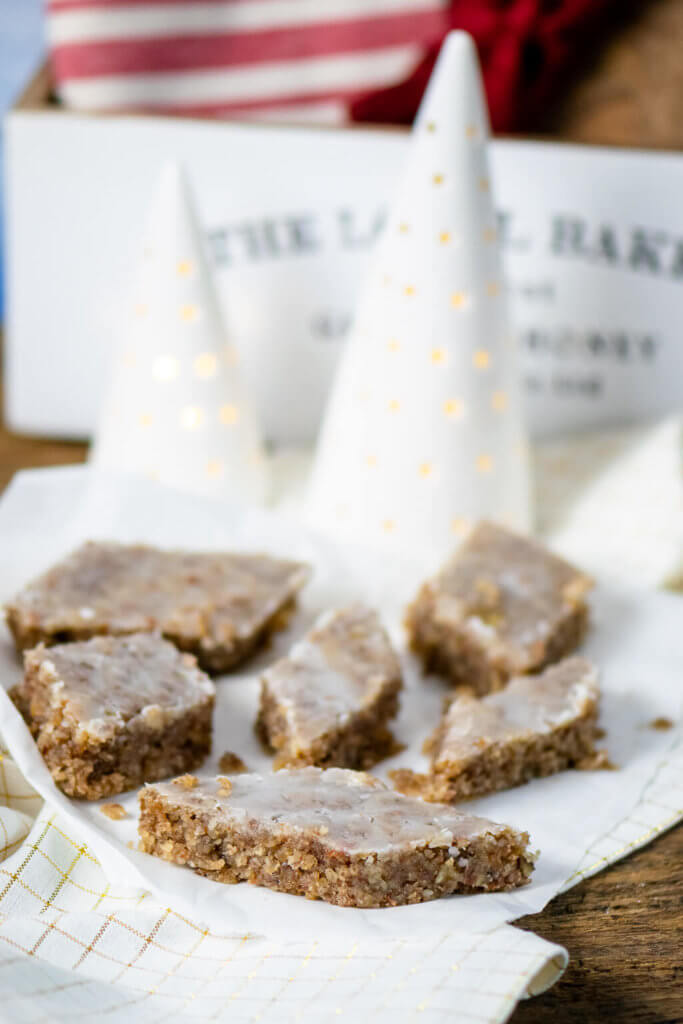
{"x":526,"y":48}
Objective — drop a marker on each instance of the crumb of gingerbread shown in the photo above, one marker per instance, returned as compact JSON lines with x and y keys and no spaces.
{"x":231,"y":763}
{"x":224,"y":785}
{"x":597,"y":762}
{"x":661,"y":724}
{"x":409,"y":782}
{"x":186,"y":781}
{"x":113,"y":811}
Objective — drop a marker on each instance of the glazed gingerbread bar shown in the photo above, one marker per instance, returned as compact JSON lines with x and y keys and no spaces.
{"x":217,"y":606}
{"x":536,"y":726}
{"x":328,"y":703}
{"x":110,"y":713}
{"x":333,"y":834}
{"x":503,"y":605}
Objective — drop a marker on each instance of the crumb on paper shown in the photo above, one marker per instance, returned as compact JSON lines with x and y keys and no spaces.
{"x":600,"y":733}
{"x":224,"y":786}
{"x":186,"y":781}
{"x":597,"y":762}
{"x":113,"y":811}
{"x":409,"y":782}
{"x":661,"y":724}
{"x":231,"y":763}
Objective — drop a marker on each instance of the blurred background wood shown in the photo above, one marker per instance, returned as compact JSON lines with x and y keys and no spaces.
{"x":628,"y":90}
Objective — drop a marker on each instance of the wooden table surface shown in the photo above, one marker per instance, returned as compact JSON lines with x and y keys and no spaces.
{"x":623,"y":928}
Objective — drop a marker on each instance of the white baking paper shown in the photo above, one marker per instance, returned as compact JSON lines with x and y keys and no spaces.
{"x":636,"y":639}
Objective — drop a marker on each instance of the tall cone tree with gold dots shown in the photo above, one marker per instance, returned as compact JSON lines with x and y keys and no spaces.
{"x":423,"y":432}
{"x":177,"y":410}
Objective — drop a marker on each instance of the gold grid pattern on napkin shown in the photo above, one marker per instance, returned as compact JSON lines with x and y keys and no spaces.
{"x":659,"y":808}
{"x":74,"y":946}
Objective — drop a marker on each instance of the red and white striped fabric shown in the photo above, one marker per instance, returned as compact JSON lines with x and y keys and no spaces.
{"x":292,"y":59}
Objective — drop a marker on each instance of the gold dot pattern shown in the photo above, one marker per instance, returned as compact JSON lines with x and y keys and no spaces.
{"x":191,"y":417}
{"x":184,"y":268}
{"x":189,"y":312}
{"x":453,"y":407}
{"x":460,"y":526}
{"x":214,"y":468}
{"x":165,"y":368}
{"x":205,"y":364}
{"x":459,"y":319}
{"x":145,"y":419}
{"x":228,"y":414}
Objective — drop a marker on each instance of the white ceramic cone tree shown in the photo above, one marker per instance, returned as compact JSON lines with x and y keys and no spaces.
{"x":176,"y":408}
{"x":423,"y":432}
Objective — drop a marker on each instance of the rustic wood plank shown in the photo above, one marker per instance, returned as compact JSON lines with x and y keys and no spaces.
{"x":624,"y":932}
{"x":25,"y":453}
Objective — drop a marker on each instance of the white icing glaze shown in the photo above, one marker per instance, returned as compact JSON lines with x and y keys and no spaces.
{"x":508,"y":592}
{"x":342,"y":666}
{"x":130,"y":588}
{"x":102,"y":683}
{"x":528,"y":705}
{"x":349,"y":811}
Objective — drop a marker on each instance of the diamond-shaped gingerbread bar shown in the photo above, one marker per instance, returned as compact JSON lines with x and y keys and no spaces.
{"x":110,"y":713}
{"x":536,"y":726}
{"x":218,"y":606}
{"x":503,"y":605}
{"x":333,"y":835}
{"x":329,"y":701}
